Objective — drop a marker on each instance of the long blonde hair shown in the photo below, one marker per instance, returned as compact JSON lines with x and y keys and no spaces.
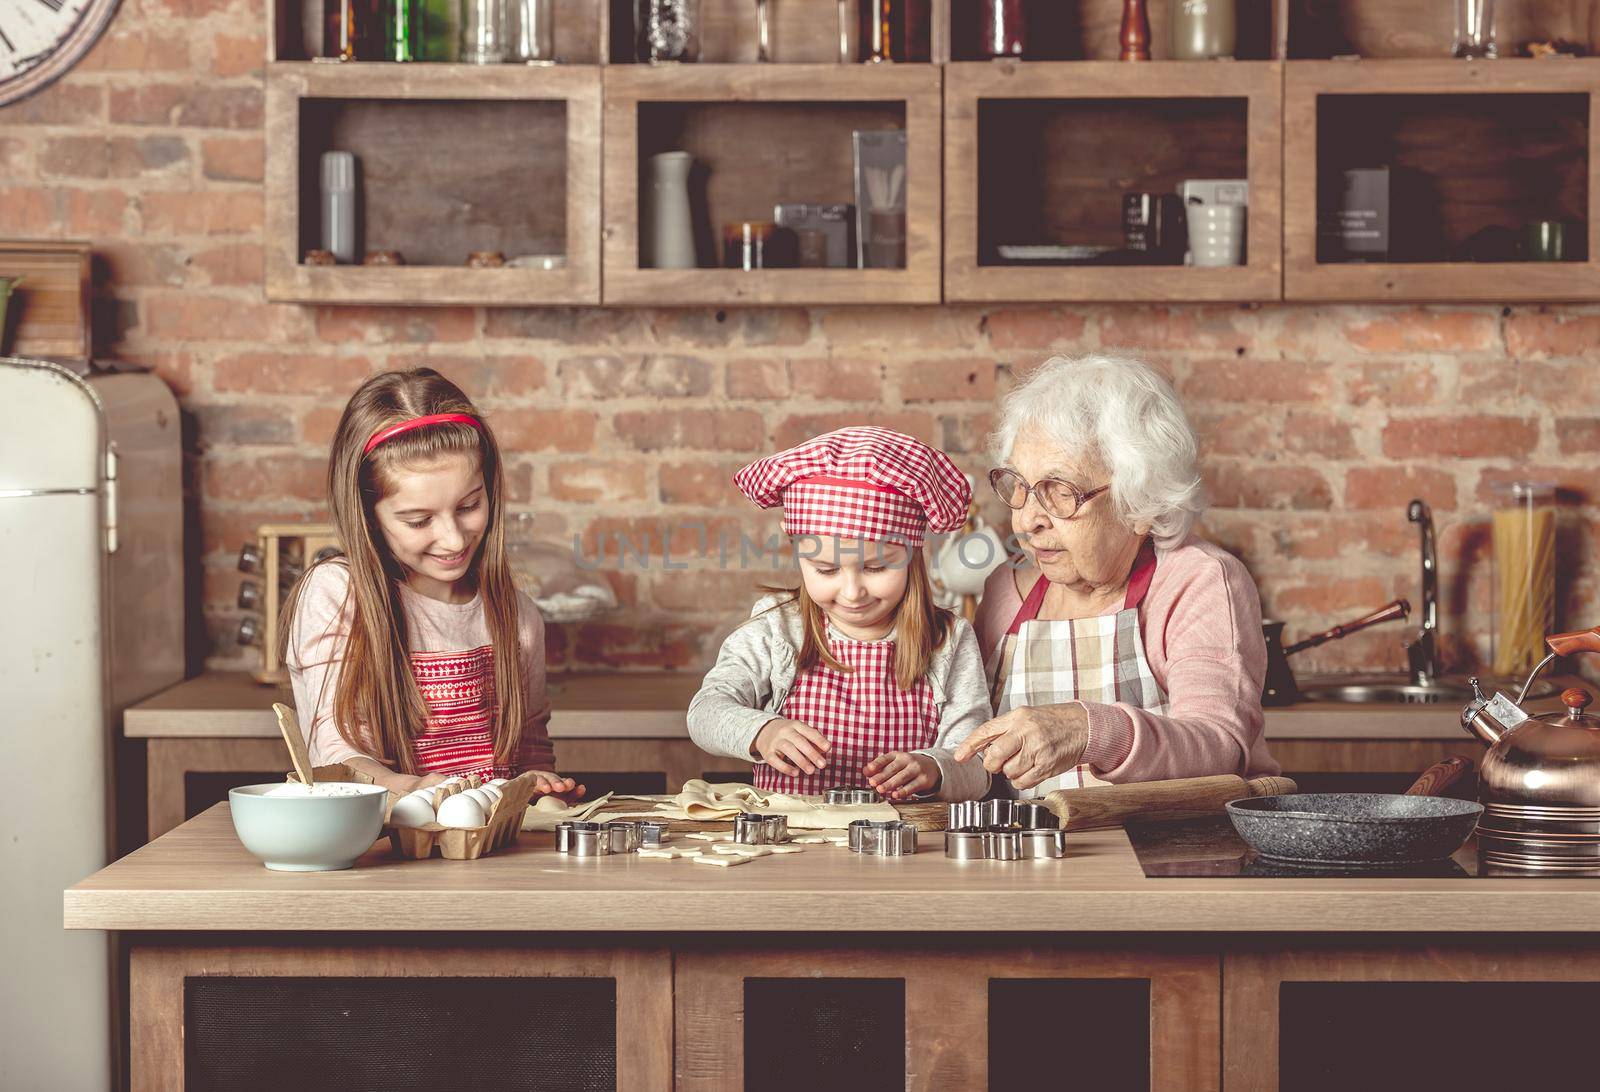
{"x":377,"y":702}
{"x":921,"y":626}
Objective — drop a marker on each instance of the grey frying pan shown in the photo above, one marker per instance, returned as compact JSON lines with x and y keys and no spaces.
{"x":1358,"y":828}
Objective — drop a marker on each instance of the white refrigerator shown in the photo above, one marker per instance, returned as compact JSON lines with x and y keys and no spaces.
{"x":91,"y":620}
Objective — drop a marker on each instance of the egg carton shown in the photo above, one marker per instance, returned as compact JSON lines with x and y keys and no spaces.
{"x":468,"y":843}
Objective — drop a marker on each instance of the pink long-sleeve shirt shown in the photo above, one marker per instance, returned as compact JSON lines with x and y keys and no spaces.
{"x":454,"y":660}
{"x":1201,"y":623}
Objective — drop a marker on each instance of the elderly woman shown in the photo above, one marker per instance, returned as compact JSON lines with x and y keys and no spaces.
{"x":1127,"y":649}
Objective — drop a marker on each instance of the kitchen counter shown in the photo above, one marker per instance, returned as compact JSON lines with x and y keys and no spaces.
{"x":704,"y":978}
{"x":199,"y":877}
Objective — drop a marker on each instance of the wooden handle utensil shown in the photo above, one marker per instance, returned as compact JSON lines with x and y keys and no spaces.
{"x":298,"y":753}
{"x":1104,"y":806}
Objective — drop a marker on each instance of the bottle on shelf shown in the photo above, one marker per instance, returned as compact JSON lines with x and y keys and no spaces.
{"x":402,"y":30}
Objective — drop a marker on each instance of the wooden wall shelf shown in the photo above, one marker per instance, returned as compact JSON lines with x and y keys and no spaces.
{"x":455,"y":158}
{"x":1425,"y":29}
{"x":762,"y":134}
{"x":1099,"y":128}
{"x":1495,"y":143}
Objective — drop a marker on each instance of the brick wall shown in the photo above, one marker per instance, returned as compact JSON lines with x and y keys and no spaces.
{"x":1319,"y":423}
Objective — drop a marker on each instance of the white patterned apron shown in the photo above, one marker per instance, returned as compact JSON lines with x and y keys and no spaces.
{"x":1078,"y":659}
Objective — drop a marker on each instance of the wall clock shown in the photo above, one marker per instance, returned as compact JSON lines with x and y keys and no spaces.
{"x":41,"y":39}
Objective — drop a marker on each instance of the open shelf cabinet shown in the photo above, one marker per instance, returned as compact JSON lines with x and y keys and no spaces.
{"x":1042,"y":153}
{"x":758,"y":135}
{"x":1477,"y":150}
{"x":452,"y":159}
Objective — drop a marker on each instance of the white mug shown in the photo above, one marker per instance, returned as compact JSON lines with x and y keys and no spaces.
{"x":1216,"y":234}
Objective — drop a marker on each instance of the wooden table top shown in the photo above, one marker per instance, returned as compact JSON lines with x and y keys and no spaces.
{"x":199,"y":878}
{"x":652,"y":705}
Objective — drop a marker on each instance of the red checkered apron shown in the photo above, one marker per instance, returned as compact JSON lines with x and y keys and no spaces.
{"x":459,"y":690}
{"x":862,"y":712}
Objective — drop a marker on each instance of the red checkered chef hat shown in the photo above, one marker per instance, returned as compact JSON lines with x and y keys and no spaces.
{"x":862,"y":482}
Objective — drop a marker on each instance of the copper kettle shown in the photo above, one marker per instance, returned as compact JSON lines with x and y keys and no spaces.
{"x":1540,"y":780}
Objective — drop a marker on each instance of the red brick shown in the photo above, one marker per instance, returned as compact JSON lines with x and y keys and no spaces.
{"x":945,"y":380}
{"x":64,"y":102}
{"x":318,"y":425}
{"x":1225,"y":431}
{"x":838,"y":379}
{"x":226,"y":425}
{"x":1252,"y":486}
{"x":231,"y":56}
{"x":1463,"y":437}
{"x":704,"y":327}
{"x":1578,"y":435}
{"x":14,"y":162}
{"x":1341,"y":536}
{"x":757,"y":378}
{"x":903,"y":327}
{"x":234,"y":264}
{"x":1542,"y":334}
{"x":663,"y":376}
{"x":705,"y":484}
{"x":566,"y":325}
{"x":193,"y":317}
{"x":201,"y":106}
{"x":227,"y":527}
{"x":1408,"y":384}
{"x":521,"y":430}
{"x":1316,"y":432}
{"x":968,"y":434}
{"x":27,"y":212}
{"x":702,"y":430}
{"x":1036,"y":328}
{"x":1331,"y":596}
{"x":1243,"y":380}
{"x":233,"y":159}
{"x":289,"y":372}
{"x":801,"y":427}
{"x":295,"y":477}
{"x":138,"y":51}
{"x":94,"y":213}
{"x":203,"y":213}
{"x":1394,"y":487}
{"x":493,"y":382}
{"x":391,"y":324}
{"x":1128,"y":330}
{"x":132,"y":264}
{"x":589,"y":480}
{"x":1426,"y":331}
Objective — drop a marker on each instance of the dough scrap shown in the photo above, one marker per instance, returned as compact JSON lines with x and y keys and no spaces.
{"x":723,"y":860}
{"x":786,"y":849}
{"x":549,"y":803}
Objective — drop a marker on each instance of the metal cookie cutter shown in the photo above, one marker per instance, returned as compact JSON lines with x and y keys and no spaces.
{"x":849,"y":796}
{"x":889,"y":838}
{"x":652,"y":833}
{"x":754,"y":829}
{"x":1003,"y":830}
{"x":580,"y":839}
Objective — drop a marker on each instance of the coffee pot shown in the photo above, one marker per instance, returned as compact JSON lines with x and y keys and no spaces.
{"x":1539,"y":783}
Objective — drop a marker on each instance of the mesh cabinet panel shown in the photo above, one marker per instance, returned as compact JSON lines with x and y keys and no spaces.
{"x":305,"y":1034}
{"x":833,"y":1034}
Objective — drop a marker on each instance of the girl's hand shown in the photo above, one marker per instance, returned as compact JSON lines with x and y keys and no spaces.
{"x":791,"y":747}
{"x":546,"y":783}
{"x":898,"y":775}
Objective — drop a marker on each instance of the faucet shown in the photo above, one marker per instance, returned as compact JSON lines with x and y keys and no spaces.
{"x":1423,"y":653}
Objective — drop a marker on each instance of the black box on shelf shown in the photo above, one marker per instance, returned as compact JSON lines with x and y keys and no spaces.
{"x":834,"y":225}
{"x":1377,"y":214}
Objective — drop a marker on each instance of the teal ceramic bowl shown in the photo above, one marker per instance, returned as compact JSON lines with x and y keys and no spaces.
{"x":307,"y":833}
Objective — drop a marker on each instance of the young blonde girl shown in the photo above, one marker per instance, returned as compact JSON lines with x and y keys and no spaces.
{"x":855,"y":678}
{"x":413,"y":656}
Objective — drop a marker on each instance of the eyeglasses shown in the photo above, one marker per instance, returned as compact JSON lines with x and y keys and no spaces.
{"x":1060,"y":499}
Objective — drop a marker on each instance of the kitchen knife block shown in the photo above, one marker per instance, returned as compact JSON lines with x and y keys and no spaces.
{"x":1101,"y":806}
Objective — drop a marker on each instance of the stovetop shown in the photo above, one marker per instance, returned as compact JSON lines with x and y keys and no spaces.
{"x":1211,"y":848}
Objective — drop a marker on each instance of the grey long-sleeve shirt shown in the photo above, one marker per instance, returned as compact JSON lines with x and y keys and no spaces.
{"x":756,"y":669}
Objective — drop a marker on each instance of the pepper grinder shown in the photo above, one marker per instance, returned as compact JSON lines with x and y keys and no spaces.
{"x":1135,"y":31}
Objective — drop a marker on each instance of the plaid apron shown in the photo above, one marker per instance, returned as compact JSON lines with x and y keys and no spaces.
{"x":863,"y":712}
{"x":1078,"y":659}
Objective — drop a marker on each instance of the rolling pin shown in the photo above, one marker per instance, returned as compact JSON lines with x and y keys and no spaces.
{"x":1102,"y":806}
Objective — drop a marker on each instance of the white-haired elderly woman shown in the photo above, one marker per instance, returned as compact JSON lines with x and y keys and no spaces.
{"x":1126,"y":648}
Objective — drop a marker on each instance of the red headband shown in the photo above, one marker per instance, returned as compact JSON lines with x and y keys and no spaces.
{"x":389,"y":432}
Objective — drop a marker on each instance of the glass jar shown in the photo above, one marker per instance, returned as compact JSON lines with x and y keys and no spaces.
{"x":483,"y":31}
{"x":1524,"y":594}
{"x":667,"y":31}
{"x":533,"y":35}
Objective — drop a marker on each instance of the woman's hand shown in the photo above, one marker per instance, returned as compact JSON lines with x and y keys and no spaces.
{"x":547,"y":783}
{"x":900,"y":775}
{"x":1030,"y":743}
{"x":791,"y":747}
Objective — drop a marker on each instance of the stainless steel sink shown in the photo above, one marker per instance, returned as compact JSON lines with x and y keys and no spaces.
{"x":1400,"y":690}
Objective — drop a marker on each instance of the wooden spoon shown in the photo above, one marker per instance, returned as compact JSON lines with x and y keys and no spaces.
{"x":298,"y":754}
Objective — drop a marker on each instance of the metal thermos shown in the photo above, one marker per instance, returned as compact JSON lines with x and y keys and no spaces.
{"x":1203,"y":29}
{"x":339,"y":205}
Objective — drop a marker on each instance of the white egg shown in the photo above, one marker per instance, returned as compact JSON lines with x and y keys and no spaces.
{"x":484,"y":800}
{"x":462,"y":810}
{"x":411,"y":811}
{"x":491,"y":791}
{"x":497,"y":782}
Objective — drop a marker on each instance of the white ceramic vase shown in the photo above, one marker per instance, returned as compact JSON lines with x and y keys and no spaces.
{"x":666,"y":235}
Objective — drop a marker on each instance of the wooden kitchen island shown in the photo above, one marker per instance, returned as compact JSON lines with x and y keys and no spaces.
{"x":961,"y":974}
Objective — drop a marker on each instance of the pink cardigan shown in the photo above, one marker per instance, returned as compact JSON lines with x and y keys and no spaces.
{"x":1201,"y":621}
